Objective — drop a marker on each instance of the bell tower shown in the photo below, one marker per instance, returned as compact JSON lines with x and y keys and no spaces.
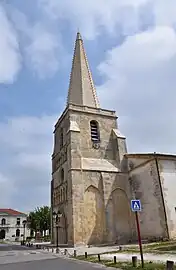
{"x":86,"y":161}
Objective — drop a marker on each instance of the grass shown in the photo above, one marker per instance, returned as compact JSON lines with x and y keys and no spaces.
{"x":161,"y":247}
{"x":2,"y":242}
{"x":124,"y":265}
{"x":157,"y":248}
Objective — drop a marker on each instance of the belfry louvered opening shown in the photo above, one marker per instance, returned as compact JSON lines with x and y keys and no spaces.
{"x":95,"y":134}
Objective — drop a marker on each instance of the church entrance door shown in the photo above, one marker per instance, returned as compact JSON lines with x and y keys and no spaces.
{"x":63,"y":230}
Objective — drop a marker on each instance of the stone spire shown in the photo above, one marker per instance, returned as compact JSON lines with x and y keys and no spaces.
{"x":81,"y":89}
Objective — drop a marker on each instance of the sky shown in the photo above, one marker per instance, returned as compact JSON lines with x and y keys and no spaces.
{"x":131,"y":48}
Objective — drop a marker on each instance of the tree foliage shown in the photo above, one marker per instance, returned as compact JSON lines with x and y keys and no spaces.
{"x":39,"y":219}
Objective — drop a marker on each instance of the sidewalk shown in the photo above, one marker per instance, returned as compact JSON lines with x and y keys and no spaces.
{"x":106,"y":249}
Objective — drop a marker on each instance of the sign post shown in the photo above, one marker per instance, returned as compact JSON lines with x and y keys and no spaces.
{"x":136,"y":207}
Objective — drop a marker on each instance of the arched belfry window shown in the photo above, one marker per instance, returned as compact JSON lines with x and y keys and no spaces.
{"x":61,"y":138}
{"x":62,"y":175}
{"x":95,"y":134}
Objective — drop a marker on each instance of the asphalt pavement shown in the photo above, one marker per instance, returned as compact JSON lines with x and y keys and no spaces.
{"x":15,"y":257}
{"x":52,"y":264}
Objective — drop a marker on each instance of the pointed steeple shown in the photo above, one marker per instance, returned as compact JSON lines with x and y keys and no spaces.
{"x":81,"y":89}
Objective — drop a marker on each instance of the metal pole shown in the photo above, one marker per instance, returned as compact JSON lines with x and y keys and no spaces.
{"x":57,"y":239}
{"x":139,"y":239}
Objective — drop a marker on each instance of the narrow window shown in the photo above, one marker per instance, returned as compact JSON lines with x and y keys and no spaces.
{"x":66,"y":192}
{"x":95,"y":136}
{"x":54,"y":197}
{"x":62,"y":175}
{"x":18,"y":221}
{"x":61,"y":196}
{"x":3,"y":221}
{"x":61,"y":138}
{"x":17,"y":233}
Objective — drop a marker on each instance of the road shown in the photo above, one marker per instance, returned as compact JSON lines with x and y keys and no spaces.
{"x":15,"y":257}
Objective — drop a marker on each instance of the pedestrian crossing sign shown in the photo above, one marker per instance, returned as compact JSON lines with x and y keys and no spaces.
{"x":135,"y":205}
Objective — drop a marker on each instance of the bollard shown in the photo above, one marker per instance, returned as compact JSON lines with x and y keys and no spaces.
{"x":86,"y":255}
{"x":169,"y":265}
{"x":52,"y":249}
{"x":65,"y":251}
{"x":115,"y":261}
{"x":134,"y":261}
{"x":99,"y":259}
{"x":74,"y":253}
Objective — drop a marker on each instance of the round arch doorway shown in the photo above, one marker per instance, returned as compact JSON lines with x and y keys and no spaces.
{"x":2,"y":234}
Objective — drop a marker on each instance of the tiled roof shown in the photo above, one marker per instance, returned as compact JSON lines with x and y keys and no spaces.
{"x":10,"y":212}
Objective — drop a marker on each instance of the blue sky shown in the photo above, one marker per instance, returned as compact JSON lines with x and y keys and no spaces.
{"x":131,"y":48}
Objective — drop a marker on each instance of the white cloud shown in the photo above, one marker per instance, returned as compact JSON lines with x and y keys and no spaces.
{"x":126,"y":16}
{"x":42,"y":52}
{"x":164,"y":12}
{"x":140,"y":76}
{"x":7,"y":191}
{"x":41,"y":47}
{"x":10,"y":59}
{"x":90,"y":18}
{"x":26,"y":144}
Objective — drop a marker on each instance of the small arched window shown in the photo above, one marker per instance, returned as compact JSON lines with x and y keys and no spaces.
{"x":61,"y":138}
{"x":3,"y":221}
{"x":62,"y":175}
{"x":95,"y":134}
{"x":17,"y":233}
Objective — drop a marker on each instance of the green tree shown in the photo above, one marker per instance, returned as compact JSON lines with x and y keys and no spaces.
{"x":39,"y":219}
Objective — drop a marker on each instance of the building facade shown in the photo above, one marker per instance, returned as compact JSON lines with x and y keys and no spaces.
{"x":11,"y":225}
{"x":93,"y":179}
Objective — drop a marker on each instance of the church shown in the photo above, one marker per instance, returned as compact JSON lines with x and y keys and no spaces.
{"x":94,"y":177}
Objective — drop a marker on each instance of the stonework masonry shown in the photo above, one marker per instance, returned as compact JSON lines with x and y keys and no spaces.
{"x":94,"y":178}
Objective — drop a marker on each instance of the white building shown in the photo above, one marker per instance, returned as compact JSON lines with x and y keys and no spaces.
{"x":12,"y":225}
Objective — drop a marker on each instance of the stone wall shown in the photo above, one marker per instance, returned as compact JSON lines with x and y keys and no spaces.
{"x":101,"y":208}
{"x":167,"y":169}
{"x":106,"y":124}
{"x":145,"y":185}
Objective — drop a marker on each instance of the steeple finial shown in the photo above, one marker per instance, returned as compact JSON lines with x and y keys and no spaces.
{"x":81,"y":89}
{"x":78,"y":36}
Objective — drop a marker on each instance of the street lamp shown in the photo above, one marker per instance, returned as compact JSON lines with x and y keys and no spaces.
{"x":57,"y":219}
{"x":24,"y":226}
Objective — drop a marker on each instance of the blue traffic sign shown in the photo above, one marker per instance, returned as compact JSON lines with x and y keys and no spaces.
{"x":135,"y":205}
